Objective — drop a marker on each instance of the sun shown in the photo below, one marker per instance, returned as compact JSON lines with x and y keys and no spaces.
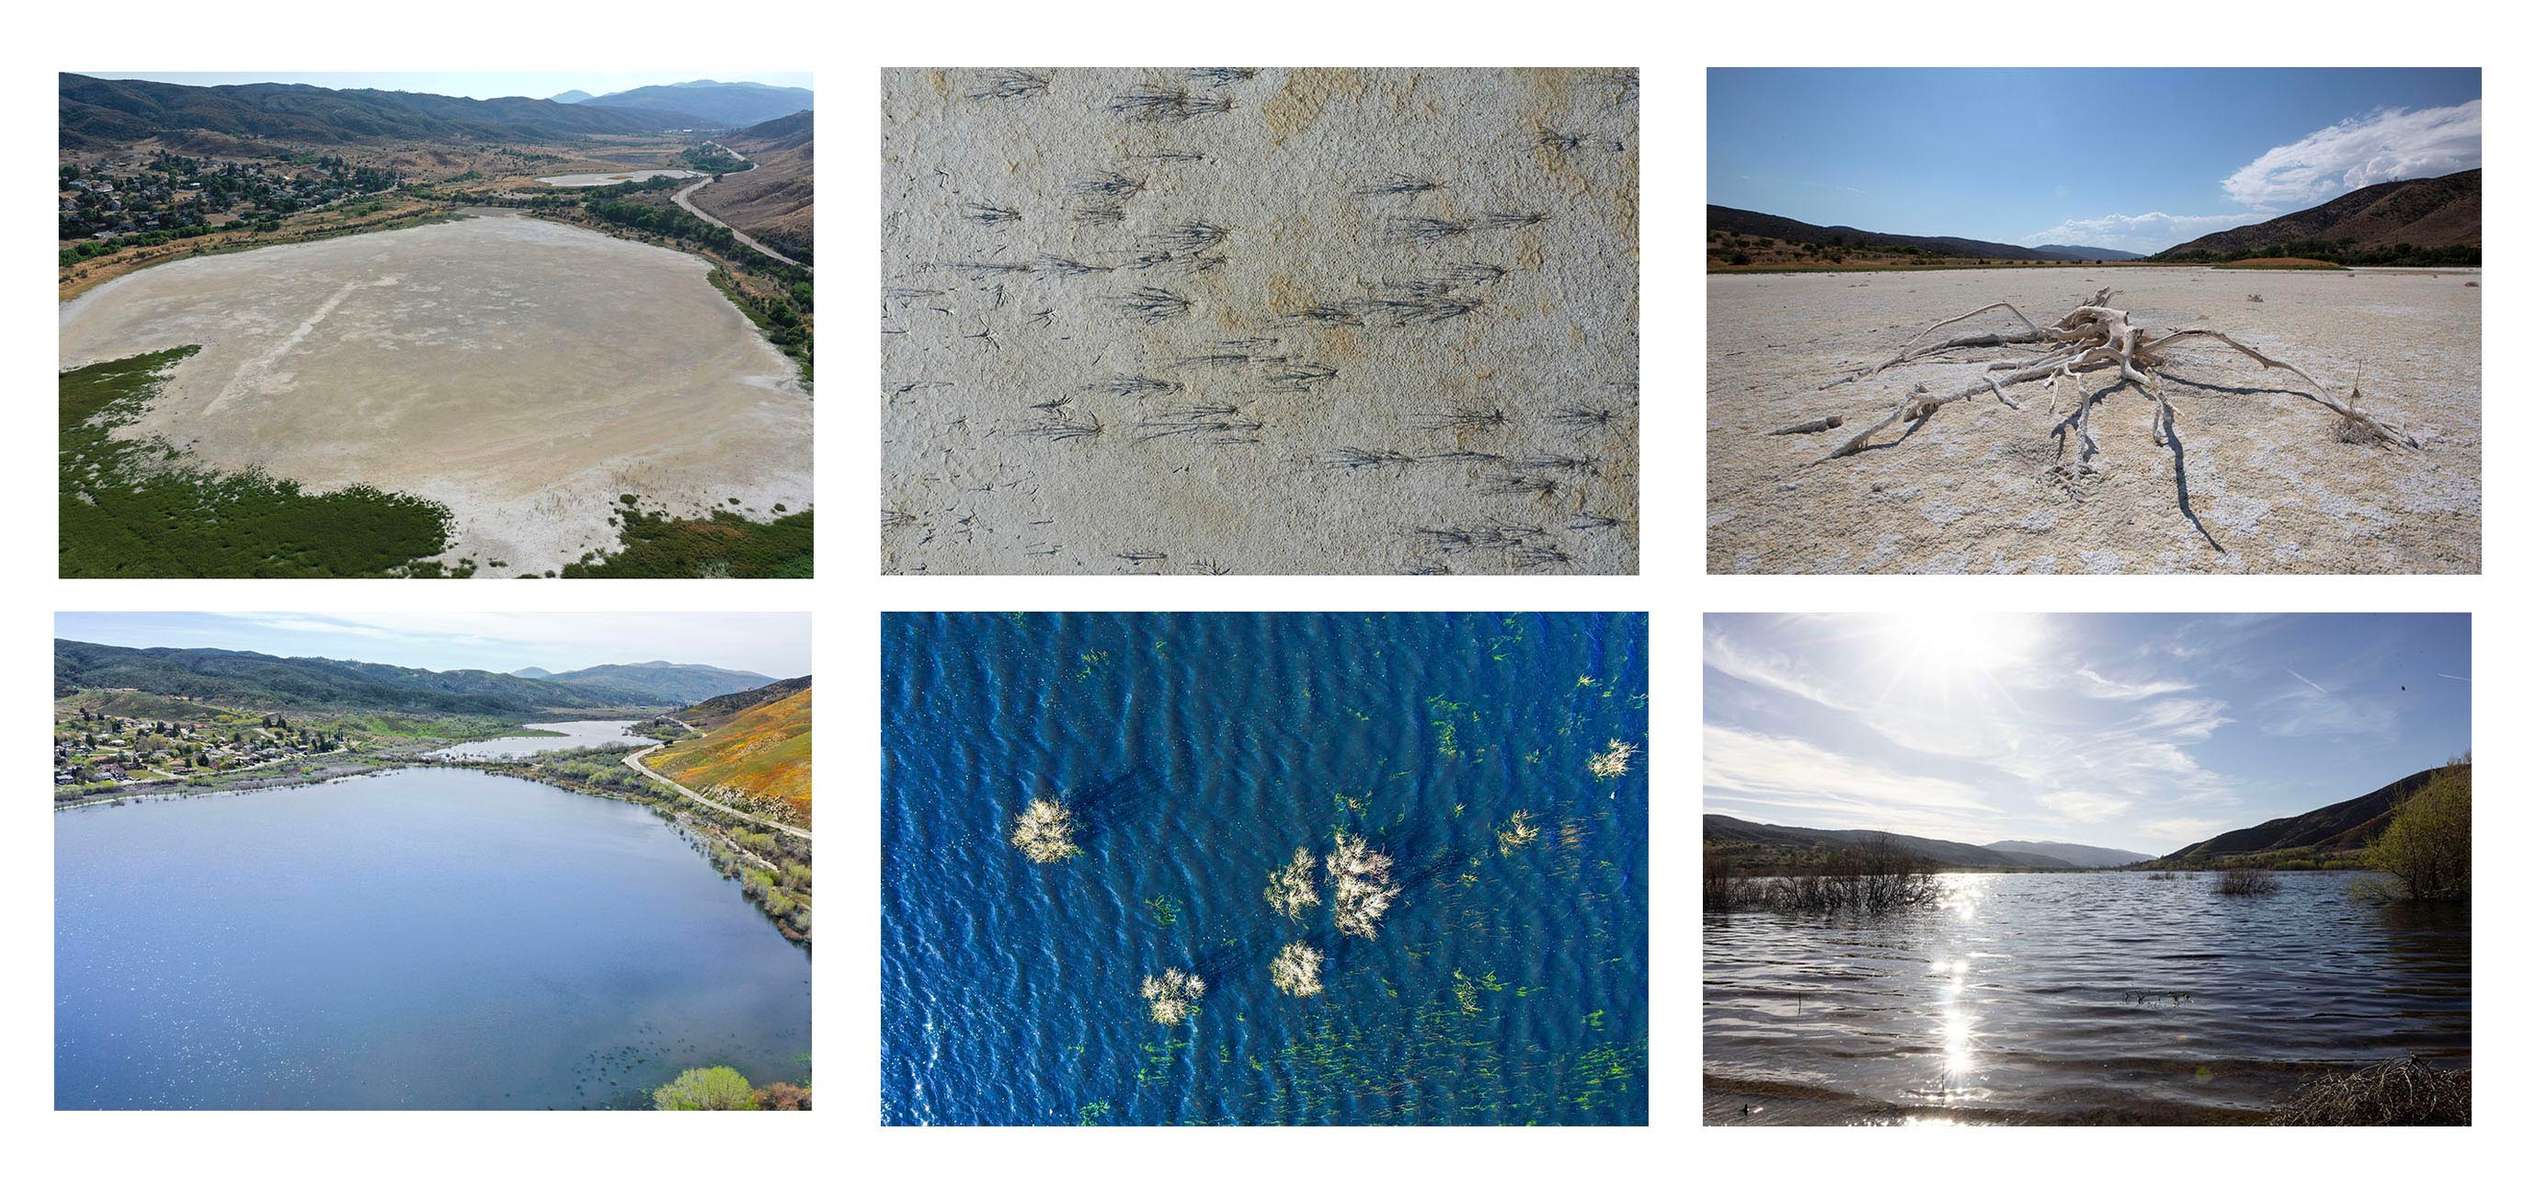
{"x":1957,"y":646}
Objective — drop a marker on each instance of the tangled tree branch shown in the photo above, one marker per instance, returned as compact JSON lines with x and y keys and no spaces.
{"x":2092,"y":337}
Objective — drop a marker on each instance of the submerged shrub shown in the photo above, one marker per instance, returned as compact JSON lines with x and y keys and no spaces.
{"x":1517,"y":833}
{"x":1172,"y":995}
{"x":1291,"y":888}
{"x":1361,"y":887}
{"x":1296,"y":970}
{"x":2409,"y":1092}
{"x":1612,"y":763}
{"x":2246,"y":881}
{"x":1044,"y":832}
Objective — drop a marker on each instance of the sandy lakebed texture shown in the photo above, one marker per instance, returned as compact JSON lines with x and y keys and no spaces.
{"x":522,"y":372}
{"x":1309,"y":321}
{"x":1973,"y":490}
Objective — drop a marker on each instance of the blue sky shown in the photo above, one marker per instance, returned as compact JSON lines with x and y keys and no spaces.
{"x":482,"y":85}
{"x":2126,"y":159}
{"x":2140,"y":732}
{"x":769,"y":643}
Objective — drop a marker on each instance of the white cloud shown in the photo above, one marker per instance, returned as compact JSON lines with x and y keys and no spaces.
{"x":2185,"y":830}
{"x":1792,"y":774}
{"x":2086,"y":807}
{"x":2144,"y":233}
{"x":2380,"y":147}
{"x":2093,"y":683}
{"x":1767,"y":670}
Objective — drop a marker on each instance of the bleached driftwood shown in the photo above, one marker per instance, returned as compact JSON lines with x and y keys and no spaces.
{"x":2092,"y":337}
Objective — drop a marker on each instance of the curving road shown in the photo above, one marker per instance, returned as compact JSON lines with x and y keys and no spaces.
{"x":744,"y":239}
{"x":634,"y":760}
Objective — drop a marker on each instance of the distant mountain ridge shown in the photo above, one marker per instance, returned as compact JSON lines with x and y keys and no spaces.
{"x":663,"y":682}
{"x":2105,"y":253}
{"x":2333,"y":828}
{"x":706,"y":714}
{"x":1787,"y":229}
{"x":1933,"y":851}
{"x":2443,"y":213}
{"x":2074,"y":853}
{"x":100,"y":113}
{"x":722,"y":105}
{"x":265,"y":681}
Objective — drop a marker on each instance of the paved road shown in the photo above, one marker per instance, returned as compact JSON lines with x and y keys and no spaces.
{"x":634,"y":760}
{"x":744,"y":239}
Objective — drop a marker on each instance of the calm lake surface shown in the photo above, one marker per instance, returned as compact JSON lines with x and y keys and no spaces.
{"x":576,"y":735}
{"x":2095,"y":998}
{"x":415,"y":939}
{"x":1198,"y":751}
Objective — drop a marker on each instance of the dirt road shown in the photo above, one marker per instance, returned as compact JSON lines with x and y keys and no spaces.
{"x":744,"y":239}
{"x":634,"y":760}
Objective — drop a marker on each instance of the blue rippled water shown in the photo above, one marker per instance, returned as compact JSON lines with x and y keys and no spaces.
{"x":1199,"y":751}
{"x":415,"y":939}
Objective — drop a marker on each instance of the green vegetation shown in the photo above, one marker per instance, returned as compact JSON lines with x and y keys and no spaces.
{"x":724,"y":545}
{"x":2427,"y":847}
{"x":706,"y":1089}
{"x":142,"y":509}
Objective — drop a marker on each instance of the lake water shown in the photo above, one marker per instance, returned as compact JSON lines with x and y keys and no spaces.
{"x":1198,"y":752}
{"x":574,"y":735}
{"x":417,"y":939}
{"x":2094,"y":998}
{"x":603,"y":179}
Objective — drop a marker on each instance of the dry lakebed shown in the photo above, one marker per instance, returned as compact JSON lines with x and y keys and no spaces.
{"x":521,"y":372}
{"x":1974,"y":489}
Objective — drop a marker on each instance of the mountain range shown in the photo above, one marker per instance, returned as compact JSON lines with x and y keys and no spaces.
{"x":264,"y":681}
{"x":659,"y":682}
{"x":100,"y":113}
{"x":708,"y":713}
{"x":725,"y":105}
{"x":2332,"y":829}
{"x":2426,"y":214}
{"x":1790,"y":842}
{"x":1786,"y":229}
{"x":2073,"y":854}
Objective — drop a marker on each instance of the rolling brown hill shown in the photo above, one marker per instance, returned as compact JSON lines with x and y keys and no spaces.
{"x":1787,"y":229}
{"x":759,"y":753}
{"x":2440,"y":213}
{"x":774,"y":203}
{"x":712,"y":713}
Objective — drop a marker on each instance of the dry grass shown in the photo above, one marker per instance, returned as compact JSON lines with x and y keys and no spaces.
{"x":2409,"y":1092}
{"x":1044,"y":832}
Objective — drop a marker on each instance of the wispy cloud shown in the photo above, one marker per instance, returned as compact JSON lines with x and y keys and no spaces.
{"x":1801,"y":782}
{"x":2379,"y":147}
{"x":2093,"y":683}
{"x":2308,"y":682}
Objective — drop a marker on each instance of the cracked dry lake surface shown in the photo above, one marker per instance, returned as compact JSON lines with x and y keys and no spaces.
{"x":1259,"y":322}
{"x":521,"y":372}
{"x":1973,"y":490}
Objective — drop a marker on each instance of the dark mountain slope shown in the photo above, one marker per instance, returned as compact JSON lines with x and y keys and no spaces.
{"x":1786,"y":229}
{"x":664,"y":682}
{"x":2333,"y":828}
{"x":721,"y":105}
{"x":719,"y":709}
{"x":262,"y":680}
{"x":2427,"y":214}
{"x":97,"y":113}
{"x":1787,"y":841}
{"x":2071,"y":852}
